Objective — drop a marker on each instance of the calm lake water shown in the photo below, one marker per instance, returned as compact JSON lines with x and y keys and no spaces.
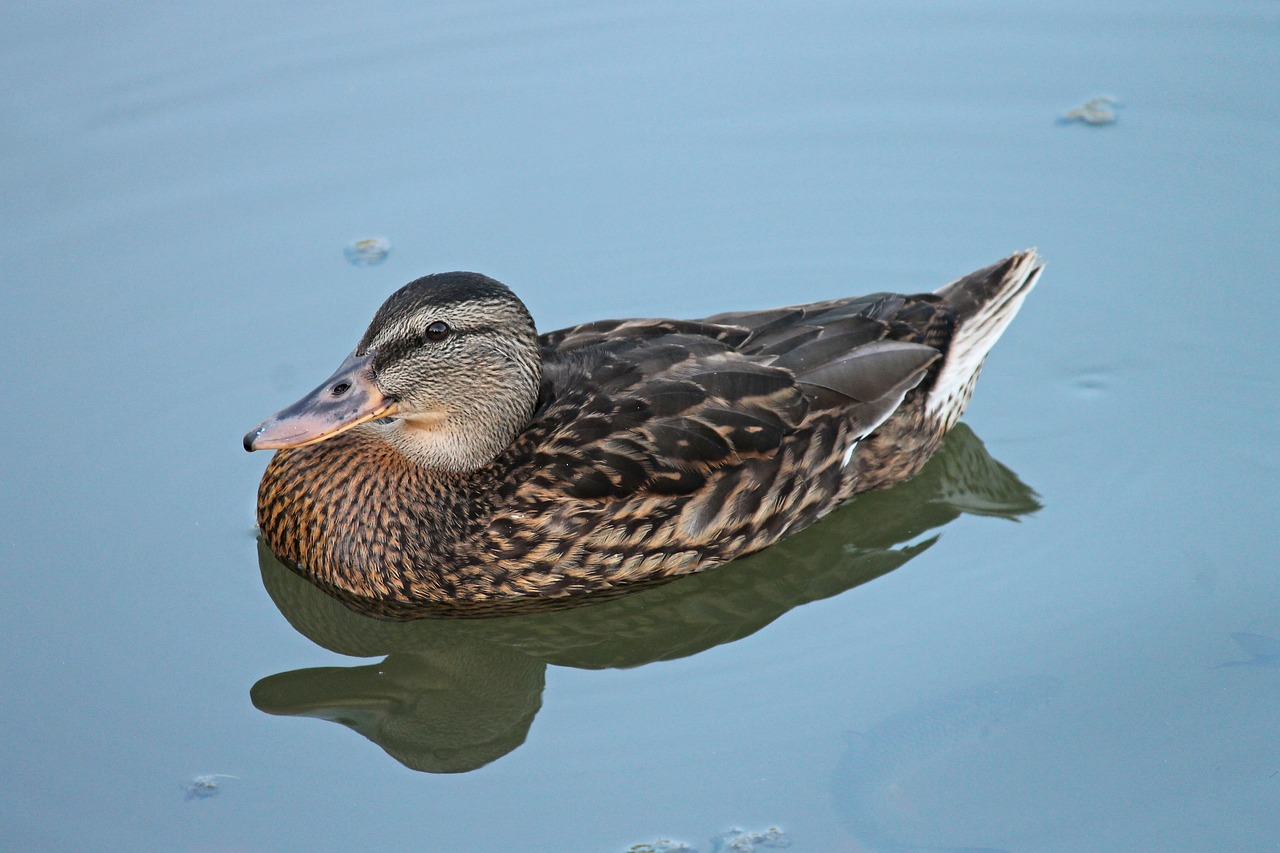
{"x":1063,"y":637}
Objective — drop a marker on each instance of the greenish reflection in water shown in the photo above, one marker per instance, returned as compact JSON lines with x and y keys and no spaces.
{"x":455,"y":694}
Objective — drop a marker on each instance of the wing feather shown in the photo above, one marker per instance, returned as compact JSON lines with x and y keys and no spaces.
{"x":656,"y":406}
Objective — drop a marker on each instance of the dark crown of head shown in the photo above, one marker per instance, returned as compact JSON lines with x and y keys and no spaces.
{"x":438,"y":290}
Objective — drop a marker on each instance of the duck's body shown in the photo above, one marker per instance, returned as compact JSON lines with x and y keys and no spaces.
{"x":651,"y":448}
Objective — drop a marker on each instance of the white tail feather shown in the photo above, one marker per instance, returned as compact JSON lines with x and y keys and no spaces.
{"x":974,"y":337}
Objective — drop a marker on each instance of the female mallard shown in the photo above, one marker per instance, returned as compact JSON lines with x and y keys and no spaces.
{"x":456,"y":456}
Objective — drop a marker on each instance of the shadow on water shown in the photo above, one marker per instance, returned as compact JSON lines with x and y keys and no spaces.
{"x":1261,"y":649}
{"x":454,"y":694}
{"x":886,"y":786}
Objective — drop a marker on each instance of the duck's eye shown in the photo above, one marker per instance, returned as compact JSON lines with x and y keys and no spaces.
{"x":437,"y":331}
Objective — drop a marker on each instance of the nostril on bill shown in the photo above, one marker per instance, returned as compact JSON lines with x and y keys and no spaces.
{"x":340,"y":389}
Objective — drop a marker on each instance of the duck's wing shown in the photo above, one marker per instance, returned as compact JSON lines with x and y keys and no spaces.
{"x":654,"y":409}
{"x":657,"y":406}
{"x":563,"y":343}
{"x":860,"y":355}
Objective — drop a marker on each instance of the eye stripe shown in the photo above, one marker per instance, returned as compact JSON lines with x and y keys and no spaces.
{"x":455,"y":331}
{"x":394,"y":350}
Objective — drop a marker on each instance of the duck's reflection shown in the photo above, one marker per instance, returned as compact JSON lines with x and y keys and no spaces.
{"x":452,"y":695}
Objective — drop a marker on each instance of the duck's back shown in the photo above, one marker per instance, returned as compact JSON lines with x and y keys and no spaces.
{"x":662,"y":447}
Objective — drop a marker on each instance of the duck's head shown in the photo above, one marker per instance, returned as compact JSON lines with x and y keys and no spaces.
{"x":452,"y":360}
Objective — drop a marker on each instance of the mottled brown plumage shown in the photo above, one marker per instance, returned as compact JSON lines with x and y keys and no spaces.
{"x":652,"y":448}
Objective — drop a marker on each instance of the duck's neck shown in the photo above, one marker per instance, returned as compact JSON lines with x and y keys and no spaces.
{"x":472,"y":430}
{"x":358,"y":516}
{"x":448,"y":444}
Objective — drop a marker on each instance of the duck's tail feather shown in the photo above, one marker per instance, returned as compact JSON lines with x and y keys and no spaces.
{"x":985,"y":302}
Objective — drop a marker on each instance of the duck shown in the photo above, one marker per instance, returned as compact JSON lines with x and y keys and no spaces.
{"x":459,"y":457}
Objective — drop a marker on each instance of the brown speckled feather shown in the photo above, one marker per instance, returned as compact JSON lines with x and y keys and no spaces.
{"x":657,"y":448}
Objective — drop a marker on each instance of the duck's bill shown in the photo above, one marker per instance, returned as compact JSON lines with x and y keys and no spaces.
{"x":346,"y":399}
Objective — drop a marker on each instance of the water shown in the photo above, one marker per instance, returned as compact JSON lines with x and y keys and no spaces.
{"x":180,"y":185}
{"x":892,"y":778}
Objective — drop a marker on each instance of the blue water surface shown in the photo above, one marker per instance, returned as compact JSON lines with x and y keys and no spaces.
{"x":182,"y":187}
